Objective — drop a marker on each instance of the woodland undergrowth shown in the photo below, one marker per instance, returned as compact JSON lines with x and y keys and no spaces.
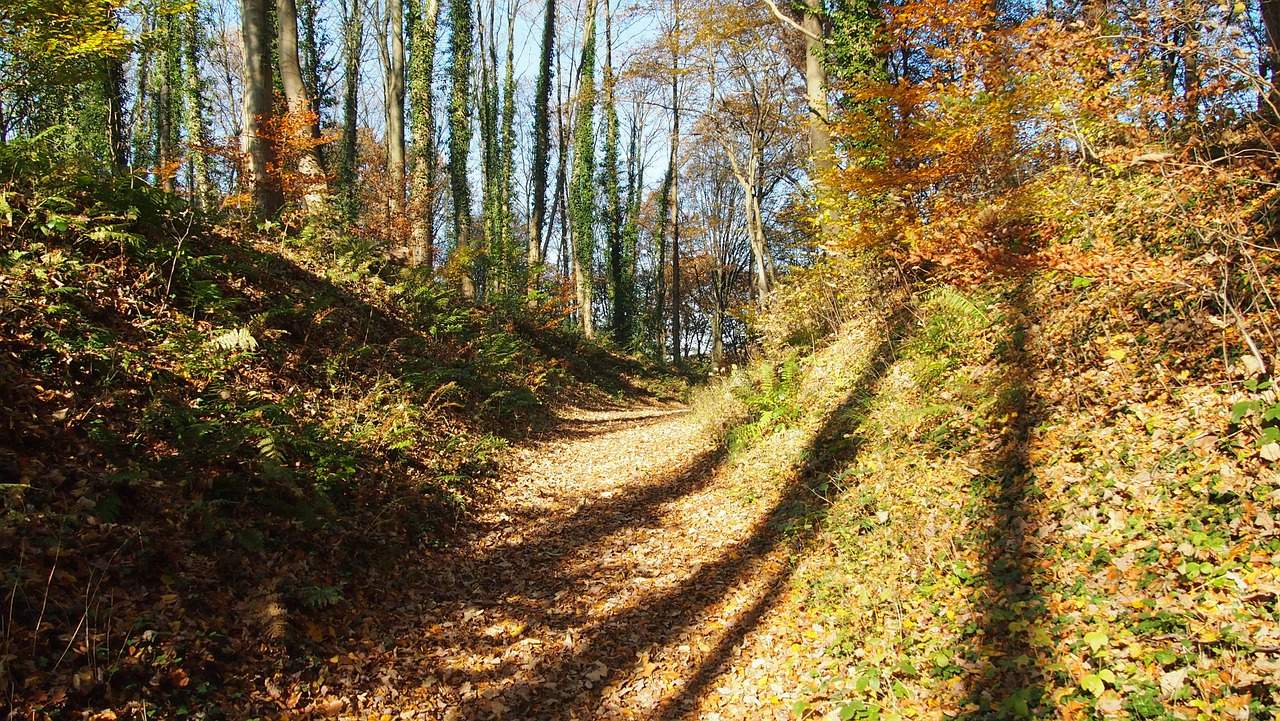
{"x":217,"y":438}
{"x":1057,"y":498}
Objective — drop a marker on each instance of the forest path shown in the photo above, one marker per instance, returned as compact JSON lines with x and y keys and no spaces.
{"x":616,"y":575}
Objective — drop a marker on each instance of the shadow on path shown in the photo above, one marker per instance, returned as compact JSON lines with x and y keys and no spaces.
{"x":1010,"y":607}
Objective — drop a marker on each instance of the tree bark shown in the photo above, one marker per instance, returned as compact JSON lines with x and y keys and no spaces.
{"x":422,"y":52}
{"x":815,"y":82}
{"x":352,"y":47}
{"x":582,"y":197}
{"x":315,"y":190}
{"x":676,"y":351}
{"x":621,"y":296}
{"x":166,"y":156}
{"x":256,"y":146}
{"x":541,"y":143}
{"x":460,"y":51}
{"x":194,"y":109}
{"x":391,"y":47}
{"x":113,"y":88}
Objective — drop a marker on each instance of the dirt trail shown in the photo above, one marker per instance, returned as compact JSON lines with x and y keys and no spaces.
{"x":616,"y":578}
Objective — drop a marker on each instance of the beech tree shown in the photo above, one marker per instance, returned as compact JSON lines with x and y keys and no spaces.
{"x":256,"y":144}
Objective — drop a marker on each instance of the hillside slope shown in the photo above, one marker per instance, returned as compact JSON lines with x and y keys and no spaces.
{"x":1043,"y":495}
{"x":211,"y":433}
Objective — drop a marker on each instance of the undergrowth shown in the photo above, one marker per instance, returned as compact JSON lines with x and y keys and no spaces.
{"x":216,"y":438}
{"x":1056,"y":498}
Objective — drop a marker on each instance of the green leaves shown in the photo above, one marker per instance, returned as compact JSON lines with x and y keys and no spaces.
{"x":1096,"y":640}
{"x":1096,"y":683}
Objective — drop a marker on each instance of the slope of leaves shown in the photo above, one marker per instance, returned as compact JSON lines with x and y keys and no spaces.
{"x":210,"y":432}
{"x":1058,"y":500}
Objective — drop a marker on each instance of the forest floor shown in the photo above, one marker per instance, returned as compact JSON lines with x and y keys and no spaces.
{"x":618,"y":575}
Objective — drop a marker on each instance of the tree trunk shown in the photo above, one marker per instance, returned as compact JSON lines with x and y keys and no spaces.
{"x":582,"y":196}
{"x":197,"y":134}
{"x":113,"y":88}
{"x":507,"y":157}
{"x":422,"y":52}
{"x":541,"y":143}
{"x":256,"y":146}
{"x":613,"y":195}
{"x":815,"y":82}
{"x":166,"y":156}
{"x":352,"y":49}
{"x":460,"y":51}
{"x":717,"y":327}
{"x":676,"y":354}
{"x":393,"y":90}
{"x":315,"y":190}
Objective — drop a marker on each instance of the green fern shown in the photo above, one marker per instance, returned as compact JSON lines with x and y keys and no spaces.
{"x":320,"y":596}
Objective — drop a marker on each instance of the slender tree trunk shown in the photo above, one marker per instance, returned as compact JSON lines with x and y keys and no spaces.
{"x":660,"y":267}
{"x":541,"y":143}
{"x":422,"y":54}
{"x":676,"y":350}
{"x":631,"y":229}
{"x":257,"y":147}
{"x":392,"y":49}
{"x":352,"y":49}
{"x":717,"y":325}
{"x":489,"y":266}
{"x":195,"y":110}
{"x":166,"y":155}
{"x":460,"y":51}
{"x":613,"y":194}
{"x":507,"y":156}
{"x":315,"y":192}
{"x":310,"y":55}
{"x":139,"y":131}
{"x":582,"y":196}
{"x":113,"y":89}
{"x":815,"y":81}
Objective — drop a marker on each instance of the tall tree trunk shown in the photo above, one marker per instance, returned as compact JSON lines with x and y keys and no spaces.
{"x":352,"y":49}
{"x":422,"y":55}
{"x":391,"y":47}
{"x":194,"y":111}
{"x":166,"y":134}
{"x":631,"y":229}
{"x":315,"y":191}
{"x":815,"y":82}
{"x":256,"y":146}
{"x":507,"y":154}
{"x":676,"y":351}
{"x":717,"y":323}
{"x":460,"y":51}
{"x":113,"y":89}
{"x":139,"y":130}
{"x":582,"y":196}
{"x":541,"y":142}
{"x":659,"y":316}
{"x":310,"y":54}
{"x":488,"y":111}
{"x":613,"y":196}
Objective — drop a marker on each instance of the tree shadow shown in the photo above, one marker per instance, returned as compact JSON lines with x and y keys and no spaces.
{"x":600,"y":669}
{"x":1010,"y":607}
